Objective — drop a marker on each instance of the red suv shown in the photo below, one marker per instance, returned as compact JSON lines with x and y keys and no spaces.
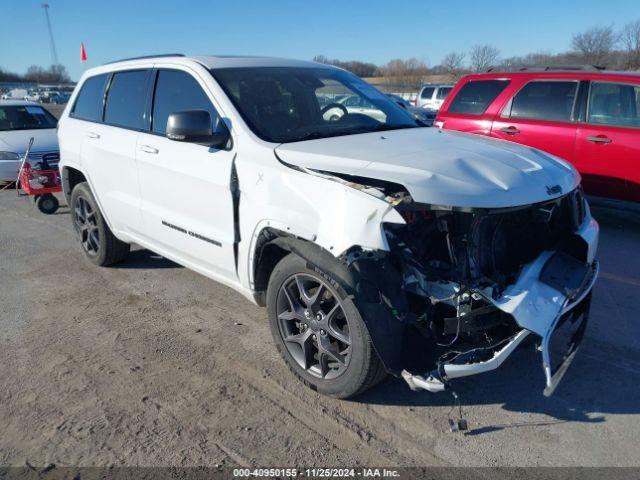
{"x":587,"y":116}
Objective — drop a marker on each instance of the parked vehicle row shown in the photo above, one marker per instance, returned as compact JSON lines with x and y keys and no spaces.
{"x":586,"y":116}
{"x":377,"y":244}
{"x":58,"y":97}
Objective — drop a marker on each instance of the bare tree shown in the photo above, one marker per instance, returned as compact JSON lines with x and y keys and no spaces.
{"x":407,"y":73}
{"x":595,"y":45}
{"x":630,"y":39}
{"x":483,"y":57}
{"x":54,"y":74}
{"x":362,"y":69}
{"x":452,"y":64}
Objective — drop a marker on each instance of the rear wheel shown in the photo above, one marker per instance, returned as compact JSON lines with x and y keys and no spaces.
{"x":319,"y":331}
{"x":98,"y":242}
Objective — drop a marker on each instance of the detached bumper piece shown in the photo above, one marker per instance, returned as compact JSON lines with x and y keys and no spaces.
{"x":464,"y":365}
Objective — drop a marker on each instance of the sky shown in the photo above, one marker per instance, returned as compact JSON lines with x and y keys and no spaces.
{"x":373,"y":31}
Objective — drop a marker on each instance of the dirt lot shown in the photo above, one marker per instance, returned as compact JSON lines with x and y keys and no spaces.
{"x":148,"y":363}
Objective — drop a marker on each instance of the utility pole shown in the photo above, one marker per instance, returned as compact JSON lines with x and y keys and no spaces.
{"x":54,"y":54}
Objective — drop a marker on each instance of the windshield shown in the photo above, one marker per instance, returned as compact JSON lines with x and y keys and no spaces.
{"x":290,"y":104}
{"x":25,"y":117}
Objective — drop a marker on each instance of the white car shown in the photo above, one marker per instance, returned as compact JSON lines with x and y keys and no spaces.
{"x":32,"y":97}
{"x":353,"y":104}
{"x":432,"y":96}
{"x":19,"y":121}
{"x":376,"y":246}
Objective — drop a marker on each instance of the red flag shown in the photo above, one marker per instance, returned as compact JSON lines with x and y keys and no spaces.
{"x":83,"y":53}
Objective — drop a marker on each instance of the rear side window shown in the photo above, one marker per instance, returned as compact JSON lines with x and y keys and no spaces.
{"x":88,"y":105}
{"x":443,"y":92}
{"x":614,"y":104}
{"x":127,"y":99}
{"x":542,"y":100}
{"x":177,"y":91}
{"x":476,"y":96}
{"x":427,"y":92}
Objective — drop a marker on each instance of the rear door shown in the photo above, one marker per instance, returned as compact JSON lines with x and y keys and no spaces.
{"x":109,"y":148}
{"x":541,"y":115}
{"x":186,"y":197}
{"x":608,"y":143}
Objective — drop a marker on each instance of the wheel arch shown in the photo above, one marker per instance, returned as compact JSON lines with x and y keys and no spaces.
{"x":70,"y":177}
{"x":272,"y":244}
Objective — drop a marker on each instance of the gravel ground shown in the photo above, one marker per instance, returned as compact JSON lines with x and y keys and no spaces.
{"x":148,"y":364}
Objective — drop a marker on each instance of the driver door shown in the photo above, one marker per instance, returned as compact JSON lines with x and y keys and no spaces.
{"x":185,"y":187}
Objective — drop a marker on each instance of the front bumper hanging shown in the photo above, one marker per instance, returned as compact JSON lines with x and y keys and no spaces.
{"x":550,"y":299}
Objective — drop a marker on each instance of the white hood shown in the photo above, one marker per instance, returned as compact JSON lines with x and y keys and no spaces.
{"x":441,"y":167}
{"x":44,"y":140}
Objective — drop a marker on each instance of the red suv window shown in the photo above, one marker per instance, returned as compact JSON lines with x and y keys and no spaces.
{"x":614,"y":104}
{"x":545,"y":100}
{"x":476,"y":96}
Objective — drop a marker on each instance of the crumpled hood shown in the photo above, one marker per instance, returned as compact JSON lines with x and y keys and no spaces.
{"x":44,"y":140}
{"x":441,"y":167}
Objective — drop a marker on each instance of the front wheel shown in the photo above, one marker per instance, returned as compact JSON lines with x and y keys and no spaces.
{"x":98,"y":242}
{"x":319,"y":331}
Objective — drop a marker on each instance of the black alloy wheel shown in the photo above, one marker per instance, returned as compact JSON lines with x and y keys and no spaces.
{"x":86,"y":225}
{"x":313,"y":325}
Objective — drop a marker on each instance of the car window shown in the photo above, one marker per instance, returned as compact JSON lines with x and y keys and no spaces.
{"x":427,"y":92}
{"x":545,"y":100}
{"x":443,"y":92}
{"x":25,"y":117}
{"x":614,"y":104}
{"x":126,"y":99}
{"x":88,"y":104}
{"x":476,"y":96}
{"x":177,"y":91}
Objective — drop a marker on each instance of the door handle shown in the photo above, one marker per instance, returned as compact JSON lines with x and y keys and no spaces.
{"x":510,"y":130}
{"x":599,"y":139}
{"x":93,"y":135}
{"x":149,"y":149}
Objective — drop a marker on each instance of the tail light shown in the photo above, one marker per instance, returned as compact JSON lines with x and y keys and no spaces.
{"x":438,"y":124}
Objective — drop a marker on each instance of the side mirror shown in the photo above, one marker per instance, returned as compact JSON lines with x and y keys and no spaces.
{"x":194,"y":126}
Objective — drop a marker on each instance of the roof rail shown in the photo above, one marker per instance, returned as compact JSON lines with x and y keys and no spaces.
{"x":546,"y":68}
{"x":146,"y":56}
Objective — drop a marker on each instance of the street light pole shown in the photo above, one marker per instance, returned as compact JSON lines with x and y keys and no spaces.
{"x":54,"y":54}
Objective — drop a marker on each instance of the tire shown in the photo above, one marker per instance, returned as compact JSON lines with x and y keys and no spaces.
{"x":99,"y":244}
{"x":47,"y":204}
{"x":362,"y":368}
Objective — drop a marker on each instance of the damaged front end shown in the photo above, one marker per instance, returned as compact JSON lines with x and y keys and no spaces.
{"x":462,"y":288}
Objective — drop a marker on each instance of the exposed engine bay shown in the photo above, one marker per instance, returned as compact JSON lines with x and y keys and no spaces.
{"x":453,"y":277}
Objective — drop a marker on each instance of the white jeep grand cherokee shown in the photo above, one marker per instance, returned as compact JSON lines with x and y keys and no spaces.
{"x":376,"y":244}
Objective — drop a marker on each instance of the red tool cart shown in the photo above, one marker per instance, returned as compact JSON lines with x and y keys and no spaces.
{"x":41,"y":184}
